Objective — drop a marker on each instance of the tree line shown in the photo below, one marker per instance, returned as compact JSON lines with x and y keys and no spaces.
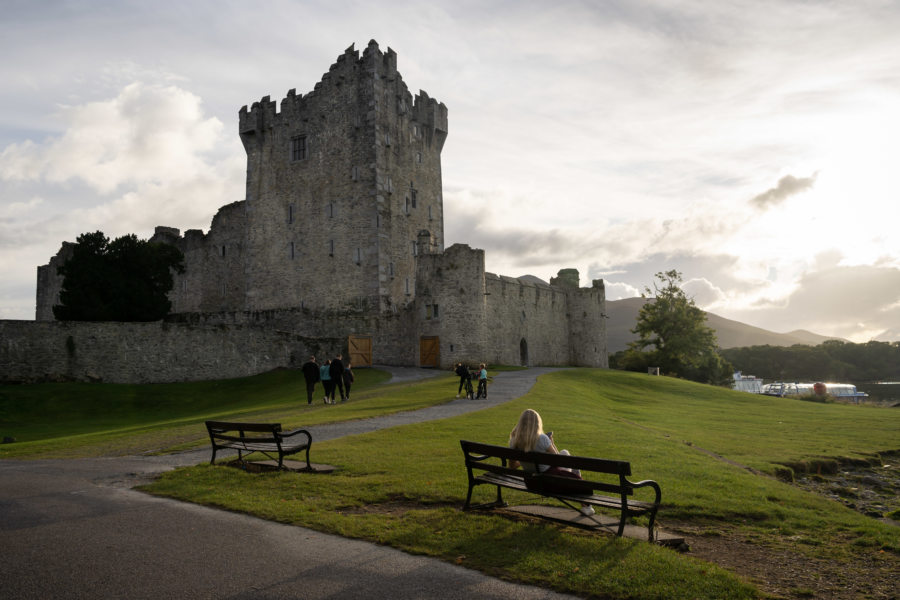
{"x":830,"y":361}
{"x":673,"y":335}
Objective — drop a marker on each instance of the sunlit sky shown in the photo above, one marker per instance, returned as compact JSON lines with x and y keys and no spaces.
{"x":751,"y":145}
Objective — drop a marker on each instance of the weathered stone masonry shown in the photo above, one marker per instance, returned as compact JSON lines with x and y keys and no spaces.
{"x":340,"y":233}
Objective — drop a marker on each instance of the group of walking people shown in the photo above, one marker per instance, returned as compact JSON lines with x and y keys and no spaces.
{"x":334,"y":375}
{"x":466,"y":375}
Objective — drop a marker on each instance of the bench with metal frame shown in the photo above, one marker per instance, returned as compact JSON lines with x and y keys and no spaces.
{"x":486,"y":464}
{"x":265,"y":438}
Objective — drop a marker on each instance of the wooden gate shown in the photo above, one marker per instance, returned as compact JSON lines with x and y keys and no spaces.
{"x":429,"y":351}
{"x":359,"y":350}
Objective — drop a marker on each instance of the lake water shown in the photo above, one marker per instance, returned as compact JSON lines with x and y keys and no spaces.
{"x":881,"y":393}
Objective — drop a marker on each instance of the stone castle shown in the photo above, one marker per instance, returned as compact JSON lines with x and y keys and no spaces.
{"x":338,"y":245}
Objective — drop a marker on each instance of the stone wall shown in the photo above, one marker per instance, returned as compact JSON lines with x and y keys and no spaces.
{"x":157,"y":352}
{"x":483,"y":317}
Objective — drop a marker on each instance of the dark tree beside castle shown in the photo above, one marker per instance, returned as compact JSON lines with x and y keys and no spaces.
{"x":126,"y":279}
{"x":675,"y":330}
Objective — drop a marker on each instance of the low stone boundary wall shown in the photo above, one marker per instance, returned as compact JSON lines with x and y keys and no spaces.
{"x":156,"y":352}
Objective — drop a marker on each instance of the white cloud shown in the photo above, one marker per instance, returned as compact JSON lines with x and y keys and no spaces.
{"x":148,"y":156}
{"x":145,"y":134}
{"x":620,"y":138}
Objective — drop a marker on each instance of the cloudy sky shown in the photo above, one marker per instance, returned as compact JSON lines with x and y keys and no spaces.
{"x":751,"y":145}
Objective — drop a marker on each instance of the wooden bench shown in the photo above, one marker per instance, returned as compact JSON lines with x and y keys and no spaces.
{"x":487,"y":464}
{"x":265,"y":438}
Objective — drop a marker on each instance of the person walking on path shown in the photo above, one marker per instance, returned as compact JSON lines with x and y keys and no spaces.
{"x":311,"y":374}
{"x":348,"y":379}
{"x":325,"y":376}
{"x":337,"y":377}
{"x":482,"y":383}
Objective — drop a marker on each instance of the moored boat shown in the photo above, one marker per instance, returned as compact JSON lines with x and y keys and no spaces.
{"x":841,"y":391}
{"x":747,"y":383}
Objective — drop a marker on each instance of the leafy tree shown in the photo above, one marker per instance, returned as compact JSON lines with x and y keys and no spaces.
{"x":675,"y":329}
{"x":124,"y":280}
{"x":833,"y":360}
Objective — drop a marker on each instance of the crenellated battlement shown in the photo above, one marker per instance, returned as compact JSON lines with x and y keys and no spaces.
{"x":367,"y":72}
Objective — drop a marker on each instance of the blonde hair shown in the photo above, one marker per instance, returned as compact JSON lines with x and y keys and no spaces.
{"x":525,"y":434}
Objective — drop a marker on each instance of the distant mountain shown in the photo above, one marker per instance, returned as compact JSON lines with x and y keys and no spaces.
{"x":731,"y":334}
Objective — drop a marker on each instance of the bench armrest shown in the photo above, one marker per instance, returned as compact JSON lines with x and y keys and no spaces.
{"x":652,"y":484}
{"x":288,"y":434}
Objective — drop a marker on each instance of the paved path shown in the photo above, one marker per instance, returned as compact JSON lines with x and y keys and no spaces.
{"x":76,"y":529}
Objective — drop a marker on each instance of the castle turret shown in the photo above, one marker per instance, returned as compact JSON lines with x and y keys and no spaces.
{"x":340,"y":182}
{"x":587,"y":326}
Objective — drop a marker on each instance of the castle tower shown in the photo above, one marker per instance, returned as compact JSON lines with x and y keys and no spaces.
{"x":341,"y":184}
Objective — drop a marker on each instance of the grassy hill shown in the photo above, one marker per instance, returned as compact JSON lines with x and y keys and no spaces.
{"x":731,"y":334}
{"x":714,"y":452}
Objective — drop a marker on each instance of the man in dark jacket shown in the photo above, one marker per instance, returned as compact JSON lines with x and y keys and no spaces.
{"x":311,"y":375}
{"x":337,"y":377}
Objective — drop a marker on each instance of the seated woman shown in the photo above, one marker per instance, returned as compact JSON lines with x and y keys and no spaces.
{"x":528,"y":435}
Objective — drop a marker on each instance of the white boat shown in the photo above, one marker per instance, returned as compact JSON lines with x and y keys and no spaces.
{"x":843,"y":391}
{"x":747,"y":383}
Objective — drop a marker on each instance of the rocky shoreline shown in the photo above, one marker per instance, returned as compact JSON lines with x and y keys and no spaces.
{"x":872,"y":489}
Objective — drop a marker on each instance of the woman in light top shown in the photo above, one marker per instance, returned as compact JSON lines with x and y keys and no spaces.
{"x":528,"y":435}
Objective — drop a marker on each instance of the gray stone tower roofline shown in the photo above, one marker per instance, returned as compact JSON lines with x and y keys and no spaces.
{"x":429,"y":112}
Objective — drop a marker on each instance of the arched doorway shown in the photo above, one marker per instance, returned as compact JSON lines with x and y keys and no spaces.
{"x":523,"y":353}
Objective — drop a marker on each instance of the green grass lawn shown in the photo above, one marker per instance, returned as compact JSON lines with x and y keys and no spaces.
{"x":68,"y":420}
{"x":403,"y":487}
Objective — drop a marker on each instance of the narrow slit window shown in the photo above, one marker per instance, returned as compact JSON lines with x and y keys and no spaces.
{"x":298,"y":148}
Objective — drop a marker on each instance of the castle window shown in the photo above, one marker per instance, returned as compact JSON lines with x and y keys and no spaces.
{"x":358,"y":256}
{"x":428,"y":312}
{"x":329,"y":210}
{"x":415,"y":249}
{"x":387,"y":139}
{"x":292,"y":250}
{"x":429,"y":214}
{"x":391,"y":269}
{"x":223,"y":250}
{"x":407,"y":286}
{"x":390,"y":185}
{"x":419,"y":158}
{"x":290,"y":213}
{"x":354,"y":173}
{"x":406,"y":209}
{"x":412,"y":195}
{"x":330,"y":247}
{"x":298,"y":148}
{"x":435,"y":311}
